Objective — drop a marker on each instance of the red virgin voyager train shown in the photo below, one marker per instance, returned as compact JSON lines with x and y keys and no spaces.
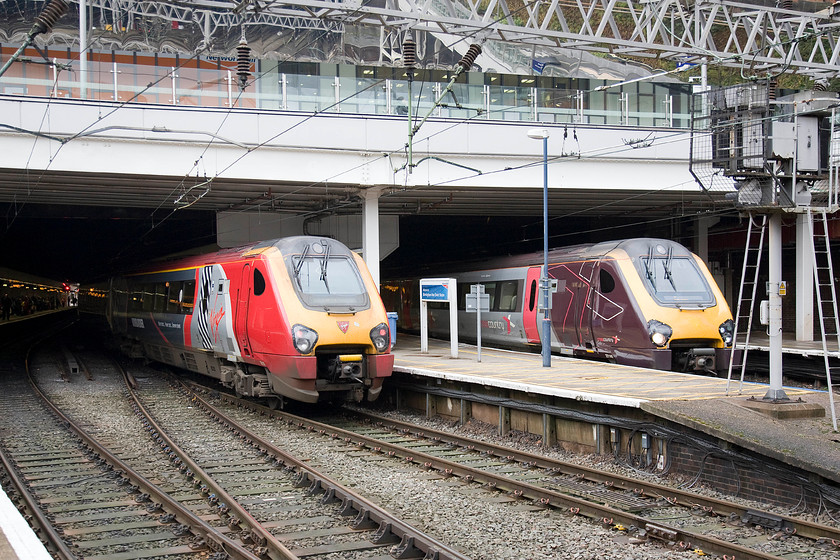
{"x":640,"y":302}
{"x":297,"y":318}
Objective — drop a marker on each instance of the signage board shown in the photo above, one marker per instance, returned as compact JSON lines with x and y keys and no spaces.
{"x":483,"y":303}
{"x":433,"y":289}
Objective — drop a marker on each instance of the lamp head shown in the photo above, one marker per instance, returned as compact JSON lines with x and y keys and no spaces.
{"x":538,"y":133}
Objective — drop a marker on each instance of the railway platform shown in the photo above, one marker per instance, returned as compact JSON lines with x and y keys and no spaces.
{"x":17,"y":540}
{"x":699,"y":403}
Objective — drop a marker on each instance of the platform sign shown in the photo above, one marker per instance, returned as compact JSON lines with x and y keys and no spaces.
{"x":444,"y":290}
{"x":435,"y":289}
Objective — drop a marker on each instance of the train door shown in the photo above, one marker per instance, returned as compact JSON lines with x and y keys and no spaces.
{"x":571,"y":313}
{"x":586,"y":293}
{"x":530,"y":305}
{"x":244,"y":294}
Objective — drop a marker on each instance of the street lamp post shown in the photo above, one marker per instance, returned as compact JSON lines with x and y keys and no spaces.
{"x":545,"y":339}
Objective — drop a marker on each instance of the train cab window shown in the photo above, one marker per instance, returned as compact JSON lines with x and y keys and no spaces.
{"x":607,"y":281}
{"x":532,"y":296}
{"x":259,"y":282}
{"x":328,"y":281}
{"x":508,"y":291}
{"x":675,"y":281}
{"x":188,"y":300}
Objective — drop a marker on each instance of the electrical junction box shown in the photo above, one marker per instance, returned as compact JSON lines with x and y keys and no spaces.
{"x":783,"y":140}
{"x":808,"y":144}
{"x":764,"y":312}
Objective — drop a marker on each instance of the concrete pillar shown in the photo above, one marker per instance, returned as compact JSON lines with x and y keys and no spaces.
{"x":701,"y":236}
{"x":370,"y":231}
{"x":804,"y":279}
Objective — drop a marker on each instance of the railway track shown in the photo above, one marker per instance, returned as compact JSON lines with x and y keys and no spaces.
{"x":86,"y":502}
{"x":210,"y":451}
{"x":644,"y":511}
{"x":252,"y":493}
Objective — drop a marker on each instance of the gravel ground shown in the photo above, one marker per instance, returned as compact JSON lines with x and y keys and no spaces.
{"x":530,"y":443}
{"x":450,"y":510}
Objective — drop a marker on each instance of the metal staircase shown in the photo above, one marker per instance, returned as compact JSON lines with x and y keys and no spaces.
{"x":826,"y":293}
{"x":745,"y":308}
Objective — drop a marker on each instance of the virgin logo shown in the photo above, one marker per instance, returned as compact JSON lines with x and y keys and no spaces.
{"x":343,"y":326}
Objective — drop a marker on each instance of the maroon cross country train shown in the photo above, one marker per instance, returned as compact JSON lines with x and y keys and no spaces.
{"x":640,"y":302}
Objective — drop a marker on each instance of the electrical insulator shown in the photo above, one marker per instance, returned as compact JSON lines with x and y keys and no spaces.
{"x":469,"y":58}
{"x":243,"y":63}
{"x":409,"y":52}
{"x":46,"y":19}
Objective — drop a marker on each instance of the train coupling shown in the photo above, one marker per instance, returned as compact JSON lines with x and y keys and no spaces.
{"x":701,"y":359}
{"x":346,"y":366}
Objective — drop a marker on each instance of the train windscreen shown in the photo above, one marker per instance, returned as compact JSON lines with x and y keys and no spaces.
{"x":675,"y":281}
{"x":326,"y":281}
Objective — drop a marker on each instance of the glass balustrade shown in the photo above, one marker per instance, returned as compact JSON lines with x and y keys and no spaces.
{"x":333,"y":88}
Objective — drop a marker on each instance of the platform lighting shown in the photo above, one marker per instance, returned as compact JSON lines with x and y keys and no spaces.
{"x":545,"y":339}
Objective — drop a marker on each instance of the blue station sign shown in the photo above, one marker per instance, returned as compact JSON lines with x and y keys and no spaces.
{"x":434,"y":289}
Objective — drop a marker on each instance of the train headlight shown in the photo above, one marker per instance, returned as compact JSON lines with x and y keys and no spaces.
{"x":381,"y":337}
{"x":727,"y":331}
{"x":659,"y":332}
{"x":304,"y":338}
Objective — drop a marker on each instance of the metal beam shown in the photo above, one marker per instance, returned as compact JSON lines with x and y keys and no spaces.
{"x":758,"y":39}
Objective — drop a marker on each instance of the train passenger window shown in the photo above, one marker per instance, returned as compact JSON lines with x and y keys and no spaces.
{"x":148,"y":296}
{"x":508,"y":290}
{"x":136,"y":303}
{"x":259,"y":282}
{"x":532,"y":297}
{"x":188,"y":301}
{"x":607,"y":281}
{"x":490,"y":289}
{"x":161,"y":296}
{"x":173,"y":300}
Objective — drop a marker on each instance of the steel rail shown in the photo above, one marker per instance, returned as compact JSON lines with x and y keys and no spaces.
{"x":545,"y":497}
{"x":214,"y":539}
{"x":259,"y":534}
{"x":651,"y":489}
{"x":369,"y":514}
{"x":54,"y":540}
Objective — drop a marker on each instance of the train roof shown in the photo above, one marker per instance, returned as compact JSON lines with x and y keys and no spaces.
{"x":582,"y":251}
{"x":284,"y":244}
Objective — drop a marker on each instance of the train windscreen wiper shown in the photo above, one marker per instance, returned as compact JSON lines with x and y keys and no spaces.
{"x":324,"y":268}
{"x":299,"y":264}
{"x":651,"y":276}
{"x":667,"y":267}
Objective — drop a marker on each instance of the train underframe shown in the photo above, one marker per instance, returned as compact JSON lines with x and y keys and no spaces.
{"x":326,"y":377}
